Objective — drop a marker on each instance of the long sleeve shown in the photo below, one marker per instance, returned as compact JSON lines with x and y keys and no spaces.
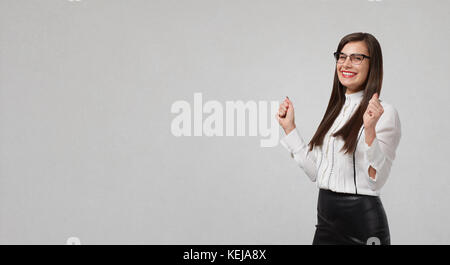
{"x":306,"y":160}
{"x":381,"y":153}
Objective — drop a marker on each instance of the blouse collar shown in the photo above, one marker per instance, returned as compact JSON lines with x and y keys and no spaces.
{"x":357,"y":96}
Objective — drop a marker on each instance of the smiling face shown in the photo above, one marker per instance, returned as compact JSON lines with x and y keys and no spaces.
{"x":350,"y":75}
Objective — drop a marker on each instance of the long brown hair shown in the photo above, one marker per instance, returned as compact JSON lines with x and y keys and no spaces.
{"x":372,"y":85}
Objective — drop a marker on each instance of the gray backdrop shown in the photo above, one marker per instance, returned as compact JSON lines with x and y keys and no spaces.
{"x":86,"y":89}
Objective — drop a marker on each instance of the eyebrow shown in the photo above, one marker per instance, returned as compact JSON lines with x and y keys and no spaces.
{"x":355,"y":54}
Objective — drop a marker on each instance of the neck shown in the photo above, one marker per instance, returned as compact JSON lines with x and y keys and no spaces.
{"x":348,"y":91}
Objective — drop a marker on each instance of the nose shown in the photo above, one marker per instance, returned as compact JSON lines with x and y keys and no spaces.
{"x":347,"y":62}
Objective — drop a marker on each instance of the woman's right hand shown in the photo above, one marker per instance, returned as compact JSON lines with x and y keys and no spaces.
{"x":285,"y":116}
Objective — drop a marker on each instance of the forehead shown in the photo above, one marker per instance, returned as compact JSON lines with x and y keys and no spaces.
{"x":355,"y":47}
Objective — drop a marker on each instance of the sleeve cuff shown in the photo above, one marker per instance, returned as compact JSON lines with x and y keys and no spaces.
{"x":293,"y":141}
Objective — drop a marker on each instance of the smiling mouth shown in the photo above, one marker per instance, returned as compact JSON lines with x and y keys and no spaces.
{"x":347,"y":74}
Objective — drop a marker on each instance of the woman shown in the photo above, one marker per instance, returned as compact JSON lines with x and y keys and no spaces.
{"x":351,"y":154}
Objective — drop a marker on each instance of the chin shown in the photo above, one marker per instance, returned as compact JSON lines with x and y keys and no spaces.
{"x":347,"y":85}
{"x":352,"y":86}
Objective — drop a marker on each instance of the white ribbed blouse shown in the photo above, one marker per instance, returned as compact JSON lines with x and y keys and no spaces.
{"x":332,"y":169}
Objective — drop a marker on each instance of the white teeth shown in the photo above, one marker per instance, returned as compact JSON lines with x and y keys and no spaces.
{"x":348,"y":74}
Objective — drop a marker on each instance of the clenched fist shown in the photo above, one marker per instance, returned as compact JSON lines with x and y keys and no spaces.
{"x":285,"y":116}
{"x":373,"y":113}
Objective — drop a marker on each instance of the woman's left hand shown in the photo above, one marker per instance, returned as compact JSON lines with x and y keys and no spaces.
{"x":373,"y":113}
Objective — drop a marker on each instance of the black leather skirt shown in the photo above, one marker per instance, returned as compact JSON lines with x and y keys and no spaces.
{"x":350,"y":219}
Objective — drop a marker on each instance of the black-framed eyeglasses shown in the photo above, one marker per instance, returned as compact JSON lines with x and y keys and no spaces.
{"x":355,"y":58}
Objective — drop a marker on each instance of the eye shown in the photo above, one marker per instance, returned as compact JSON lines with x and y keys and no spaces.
{"x":358,"y":58}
